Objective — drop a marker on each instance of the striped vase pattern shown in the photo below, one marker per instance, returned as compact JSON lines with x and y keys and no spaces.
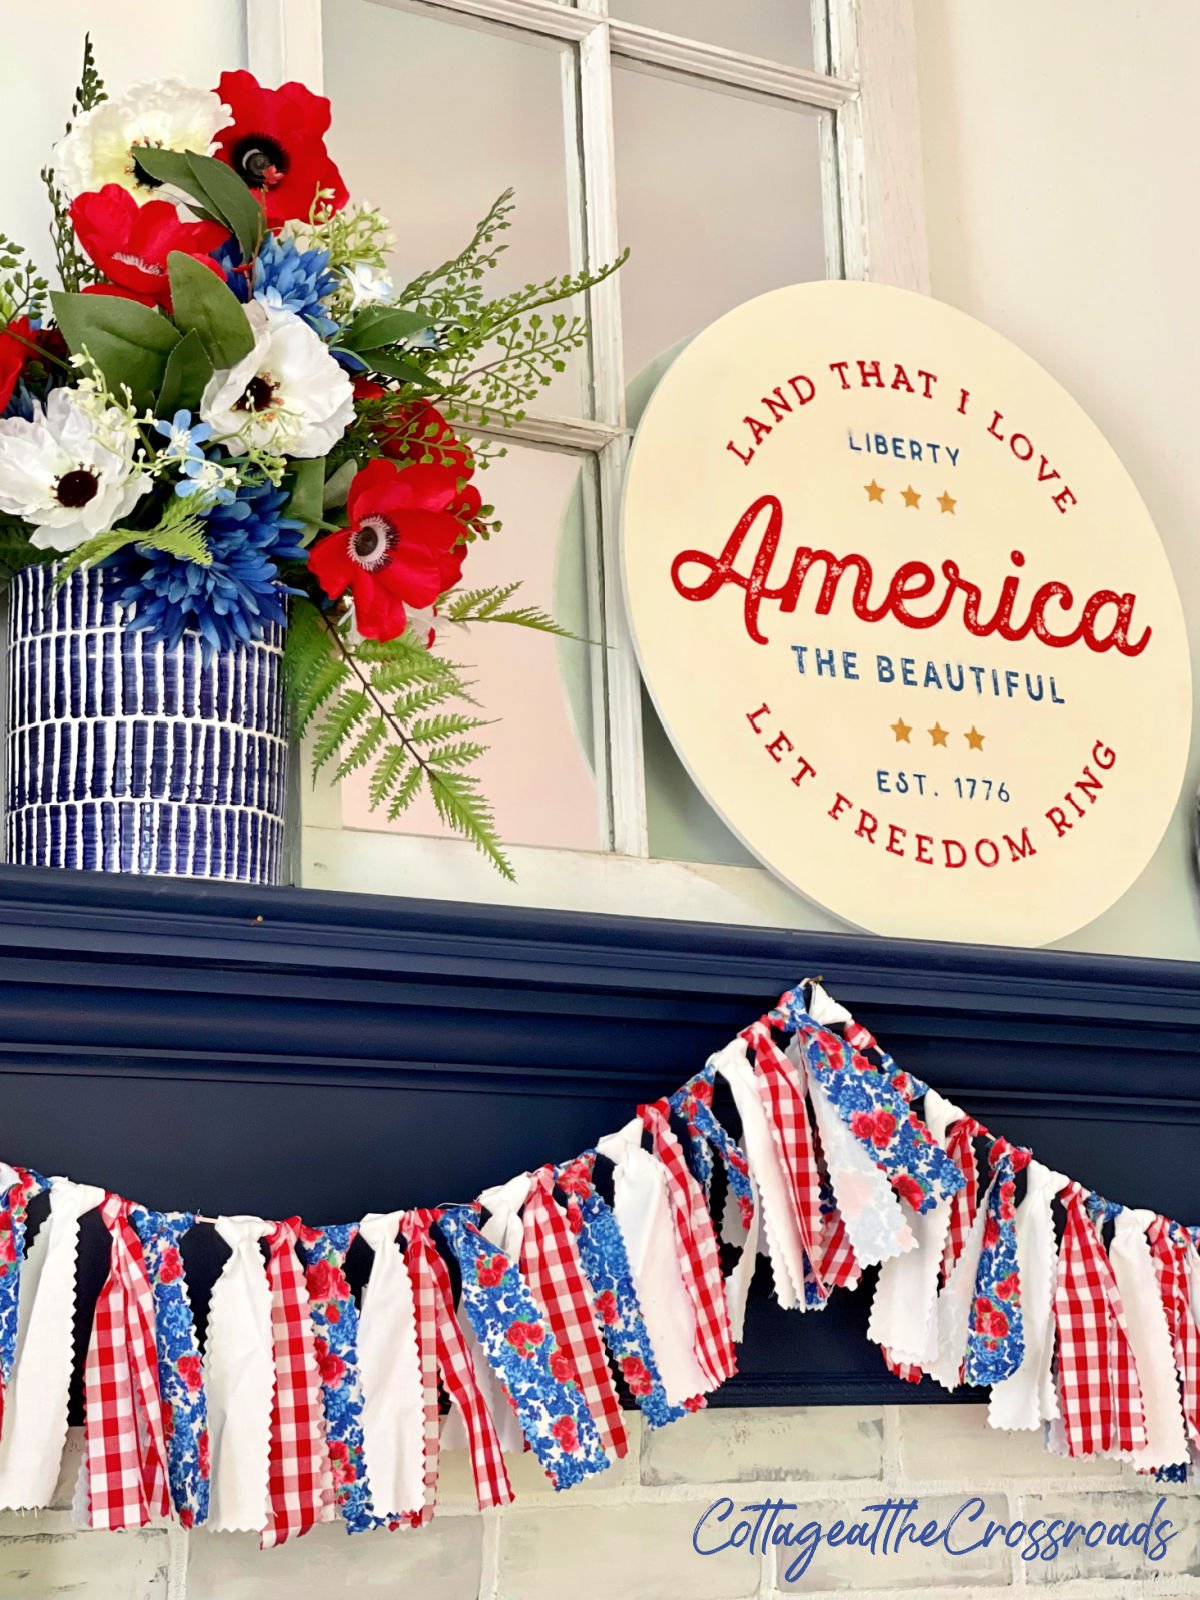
{"x":126,"y":756}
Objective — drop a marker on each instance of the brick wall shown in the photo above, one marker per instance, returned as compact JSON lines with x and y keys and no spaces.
{"x":628,"y":1535}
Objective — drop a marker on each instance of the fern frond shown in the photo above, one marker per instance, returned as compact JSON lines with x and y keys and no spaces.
{"x":363,"y":748}
{"x":447,"y":725}
{"x":330,"y":676}
{"x":407,"y":792}
{"x":460,"y":754}
{"x":386,"y":775}
{"x":487,"y":605}
{"x":462,"y":807}
{"x":338,"y":724}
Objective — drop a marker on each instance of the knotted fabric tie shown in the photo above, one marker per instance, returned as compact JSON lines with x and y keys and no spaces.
{"x":180,"y":1372}
{"x":1169,"y":1247}
{"x":787,"y":1111}
{"x":963,"y":1205}
{"x":393,"y":1411}
{"x":125,"y":1447}
{"x":335,"y":1340}
{"x":20,"y":1186}
{"x":605,"y":1260}
{"x":1100,"y":1395}
{"x":443,"y":1349}
{"x":35,"y":1420}
{"x":550,"y":1262}
{"x":699,"y":1254}
{"x":996,"y":1332}
{"x":299,"y":1479}
{"x":1151,"y":1342}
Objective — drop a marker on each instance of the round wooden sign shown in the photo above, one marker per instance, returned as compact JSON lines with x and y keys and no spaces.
{"x":905,"y":616}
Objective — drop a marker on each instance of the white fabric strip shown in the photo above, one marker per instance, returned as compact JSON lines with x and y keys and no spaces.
{"x":1028,"y":1398}
{"x":393,"y":1414}
{"x":954,"y":1305}
{"x":505,"y":1229}
{"x":643,"y":1213}
{"x":875,"y":1223}
{"x":779,"y":1225}
{"x":904,"y":1310}
{"x":239,"y":1375}
{"x":35,"y":1406}
{"x":1150,"y":1338}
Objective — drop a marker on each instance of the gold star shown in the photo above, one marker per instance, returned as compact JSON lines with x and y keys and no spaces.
{"x":910,"y":496}
{"x":947,"y":502}
{"x":902,"y":730}
{"x":874,"y":492}
{"x":938,"y":734}
{"x":974,"y":738}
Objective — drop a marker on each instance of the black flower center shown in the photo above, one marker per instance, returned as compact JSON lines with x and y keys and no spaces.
{"x":76,"y":488}
{"x":141,"y":176}
{"x":372,"y":542}
{"x":258,"y":395}
{"x":260,"y":161}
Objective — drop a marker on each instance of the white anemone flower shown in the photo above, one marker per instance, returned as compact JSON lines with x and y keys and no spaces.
{"x":71,"y":471}
{"x":368,"y":286}
{"x":167,"y":113}
{"x":288,"y":395}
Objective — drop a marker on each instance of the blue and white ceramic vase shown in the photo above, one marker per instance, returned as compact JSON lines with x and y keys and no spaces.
{"x":126,"y":756}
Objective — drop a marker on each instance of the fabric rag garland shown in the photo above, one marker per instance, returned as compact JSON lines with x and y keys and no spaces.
{"x":624,"y":1271}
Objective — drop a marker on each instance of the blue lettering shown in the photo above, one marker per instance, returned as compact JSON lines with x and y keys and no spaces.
{"x":723,"y":1516}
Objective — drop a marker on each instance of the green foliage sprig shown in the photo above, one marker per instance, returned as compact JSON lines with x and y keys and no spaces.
{"x":74,"y":269}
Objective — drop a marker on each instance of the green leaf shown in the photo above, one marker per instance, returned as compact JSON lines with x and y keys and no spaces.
{"x":389,"y":365}
{"x":407,"y":792}
{"x":375,"y":326}
{"x":129,"y":342}
{"x":488,"y":605}
{"x":205,"y":305}
{"x":216,"y":189}
{"x":188,"y":370}
{"x":341,"y":721}
{"x":232,"y":200}
{"x":462,"y":807}
{"x":387,"y":774}
{"x":308,"y":494}
{"x":179,"y":533}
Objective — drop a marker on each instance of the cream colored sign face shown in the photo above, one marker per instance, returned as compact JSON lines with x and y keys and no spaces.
{"x":905,"y":616}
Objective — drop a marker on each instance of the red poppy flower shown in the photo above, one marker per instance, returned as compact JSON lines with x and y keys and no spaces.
{"x":276,"y":145}
{"x":404,"y":546}
{"x":15,"y":351}
{"x":130,"y":243}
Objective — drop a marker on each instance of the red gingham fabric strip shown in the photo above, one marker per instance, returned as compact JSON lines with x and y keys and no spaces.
{"x":1099,"y":1391}
{"x":551,"y":1267}
{"x":414,"y":1227}
{"x":124,"y":1441}
{"x":901,"y":1369}
{"x":1168,"y":1249}
{"x":837,"y":1266}
{"x":699,"y":1253}
{"x":300,"y":1479}
{"x":787,"y":1113}
{"x":963,"y":1205}
{"x":431,"y":1284}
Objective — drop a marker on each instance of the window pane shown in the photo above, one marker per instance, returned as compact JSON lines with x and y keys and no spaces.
{"x":432,"y":120}
{"x":719,"y":199}
{"x":538,"y":771}
{"x":778,"y":30}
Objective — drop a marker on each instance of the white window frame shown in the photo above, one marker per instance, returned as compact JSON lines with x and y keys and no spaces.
{"x":875,"y":229}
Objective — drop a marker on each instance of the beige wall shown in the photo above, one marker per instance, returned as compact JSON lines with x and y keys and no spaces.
{"x":1060,"y":146}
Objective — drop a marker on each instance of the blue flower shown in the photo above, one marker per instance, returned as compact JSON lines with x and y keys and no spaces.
{"x":295,"y":280}
{"x":184,"y":438}
{"x":233,"y":599}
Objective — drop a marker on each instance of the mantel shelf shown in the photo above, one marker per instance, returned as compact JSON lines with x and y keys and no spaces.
{"x":292,"y":1050}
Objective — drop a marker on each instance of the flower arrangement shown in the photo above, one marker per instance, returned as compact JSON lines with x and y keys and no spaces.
{"x":233,"y":406}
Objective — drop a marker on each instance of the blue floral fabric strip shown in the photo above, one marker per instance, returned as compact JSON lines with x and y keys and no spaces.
{"x":996,"y":1333}
{"x":180,"y":1370}
{"x":515,"y":1336}
{"x":693,"y":1104}
{"x":604,"y":1259}
{"x":13,"y":1210}
{"x":877,"y":1114}
{"x":335,"y":1333}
